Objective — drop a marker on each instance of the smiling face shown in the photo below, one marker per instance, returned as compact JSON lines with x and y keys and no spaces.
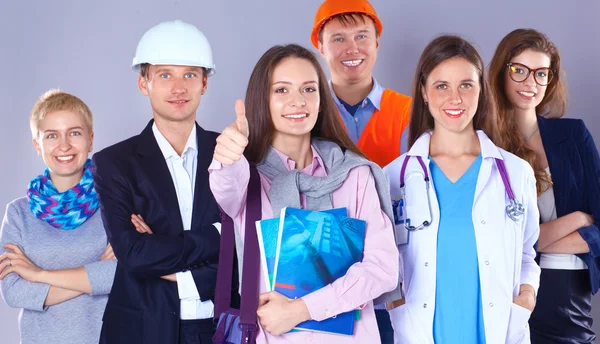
{"x":294,"y":99}
{"x":452,"y":92}
{"x":528,"y":94}
{"x":174,"y":91}
{"x":64,"y":141}
{"x":350,"y":50}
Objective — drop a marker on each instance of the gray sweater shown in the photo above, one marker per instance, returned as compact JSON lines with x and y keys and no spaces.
{"x":76,"y":321}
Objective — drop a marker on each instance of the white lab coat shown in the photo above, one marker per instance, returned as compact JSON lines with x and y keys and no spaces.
{"x":504,"y":247}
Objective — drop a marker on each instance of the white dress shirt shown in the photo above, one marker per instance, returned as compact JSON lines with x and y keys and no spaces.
{"x":183,"y":172}
{"x":558,"y":261}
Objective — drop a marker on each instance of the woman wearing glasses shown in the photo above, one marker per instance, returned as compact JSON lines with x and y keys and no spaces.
{"x":468,"y":208}
{"x":526,"y":77}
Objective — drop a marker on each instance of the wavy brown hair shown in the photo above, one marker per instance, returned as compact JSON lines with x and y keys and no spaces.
{"x":552,"y":106}
{"x":258,"y":113}
{"x":437,"y":51}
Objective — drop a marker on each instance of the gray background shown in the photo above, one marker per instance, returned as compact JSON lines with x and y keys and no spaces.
{"x":86,"y":47}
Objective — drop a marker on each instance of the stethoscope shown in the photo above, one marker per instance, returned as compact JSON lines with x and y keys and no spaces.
{"x":514,"y":209}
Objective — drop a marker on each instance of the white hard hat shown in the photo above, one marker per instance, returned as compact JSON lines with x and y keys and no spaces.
{"x":174,"y":43}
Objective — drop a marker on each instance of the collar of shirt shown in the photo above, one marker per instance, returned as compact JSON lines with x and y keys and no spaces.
{"x":316,"y":168}
{"x":488,"y":148}
{"x":374,"y":97}
{"x":167,"y":150}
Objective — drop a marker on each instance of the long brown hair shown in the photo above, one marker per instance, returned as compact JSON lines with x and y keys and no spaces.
{"x":552,"y":106}
{"x":437,"y":51}
{"x":258,"y":113}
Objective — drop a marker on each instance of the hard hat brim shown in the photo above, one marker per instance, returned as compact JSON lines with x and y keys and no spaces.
{"x":330,"y":9}
{"x":314,"y":37}
{"x":136,"y":65}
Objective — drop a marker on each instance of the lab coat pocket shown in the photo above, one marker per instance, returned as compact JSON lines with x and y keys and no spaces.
{"x":400,"y":231}
{"x":405,"y":331}
{"x":518,"y":325}
{"x":514,"y":249}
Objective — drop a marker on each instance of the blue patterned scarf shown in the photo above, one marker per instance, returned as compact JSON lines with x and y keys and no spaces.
{"x":67,"y":210}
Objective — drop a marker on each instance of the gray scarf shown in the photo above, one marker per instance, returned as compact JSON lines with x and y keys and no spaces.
{"x":286,"y":186}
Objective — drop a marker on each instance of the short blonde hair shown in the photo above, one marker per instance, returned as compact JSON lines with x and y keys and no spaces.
{"x":57,"y":100}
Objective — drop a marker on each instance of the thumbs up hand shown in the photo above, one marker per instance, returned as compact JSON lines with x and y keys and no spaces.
{"x":241,"y":121}
{"x":233,"y":140}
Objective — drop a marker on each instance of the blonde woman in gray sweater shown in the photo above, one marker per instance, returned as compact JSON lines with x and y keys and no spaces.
{"x":56,"y":264}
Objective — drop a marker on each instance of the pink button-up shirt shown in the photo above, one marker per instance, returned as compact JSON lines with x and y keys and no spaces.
{"x":364,"y":281}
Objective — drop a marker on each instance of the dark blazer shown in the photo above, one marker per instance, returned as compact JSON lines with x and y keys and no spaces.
{"x":575,"y":168}
{"x":132,"y":177}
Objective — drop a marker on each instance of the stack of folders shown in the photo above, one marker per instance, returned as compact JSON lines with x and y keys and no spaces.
{"x":303,"y":251}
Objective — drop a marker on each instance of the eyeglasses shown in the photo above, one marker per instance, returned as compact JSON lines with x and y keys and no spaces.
{"x":519,"y":72}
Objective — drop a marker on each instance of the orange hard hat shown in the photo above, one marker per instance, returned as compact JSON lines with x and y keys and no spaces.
{"x":330,"y":8}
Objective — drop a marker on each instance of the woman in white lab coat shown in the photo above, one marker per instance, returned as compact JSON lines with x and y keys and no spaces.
{"x":466,"y":209}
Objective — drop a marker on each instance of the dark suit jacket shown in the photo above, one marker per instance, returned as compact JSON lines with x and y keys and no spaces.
{"x":575,"y":168}
{"x":132,"y":177}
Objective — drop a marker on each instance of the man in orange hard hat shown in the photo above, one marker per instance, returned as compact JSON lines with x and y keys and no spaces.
{"x":346,"y":32}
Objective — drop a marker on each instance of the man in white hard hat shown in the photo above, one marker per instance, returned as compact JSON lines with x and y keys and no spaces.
{"x":158,"y":211}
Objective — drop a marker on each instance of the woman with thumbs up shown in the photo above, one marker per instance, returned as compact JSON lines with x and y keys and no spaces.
{"x":289,"y":128}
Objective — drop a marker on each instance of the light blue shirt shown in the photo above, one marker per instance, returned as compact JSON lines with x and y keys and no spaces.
{"x":458,"y":316}
{"x":355,"y":125}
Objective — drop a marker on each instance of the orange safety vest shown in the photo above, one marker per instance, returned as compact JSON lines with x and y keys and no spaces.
{"x":380,"y":141}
